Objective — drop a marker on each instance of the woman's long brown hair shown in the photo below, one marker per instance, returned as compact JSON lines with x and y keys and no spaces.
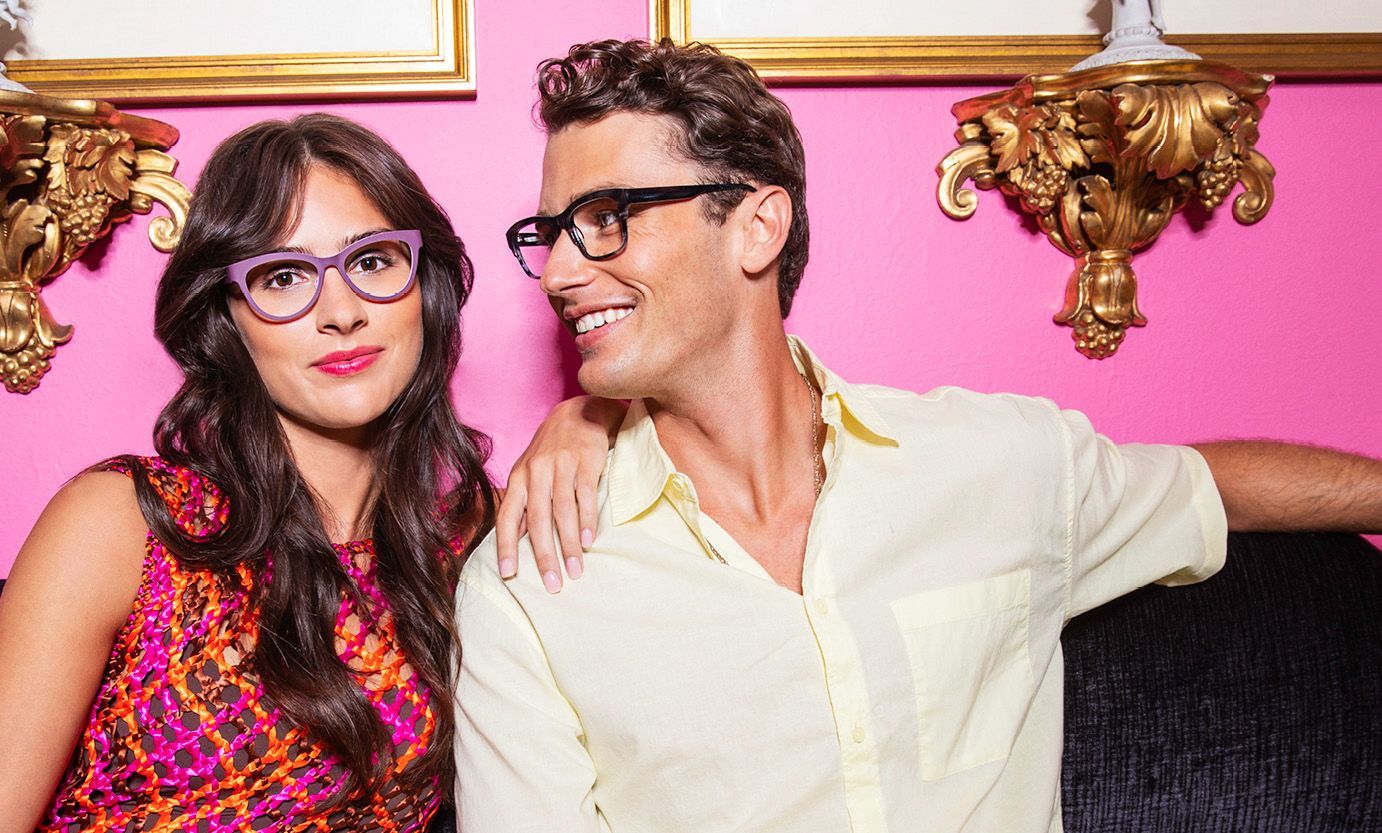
{"x":429,"y":484}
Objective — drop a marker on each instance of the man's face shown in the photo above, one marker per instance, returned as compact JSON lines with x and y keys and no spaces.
{"x":647,"y":322}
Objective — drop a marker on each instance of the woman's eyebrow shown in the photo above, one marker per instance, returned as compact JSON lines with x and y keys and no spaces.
{"x":355,"y":238}
{"x":345,"y":243}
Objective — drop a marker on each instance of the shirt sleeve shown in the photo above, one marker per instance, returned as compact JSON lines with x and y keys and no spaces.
{"x":1136,"y":514}
{"x":521,"y":763}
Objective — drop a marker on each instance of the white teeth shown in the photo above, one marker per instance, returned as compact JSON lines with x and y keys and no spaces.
{"x":599,"y":318}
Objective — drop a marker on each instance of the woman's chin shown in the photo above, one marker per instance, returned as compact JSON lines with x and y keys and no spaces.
{"x":343,"y":417}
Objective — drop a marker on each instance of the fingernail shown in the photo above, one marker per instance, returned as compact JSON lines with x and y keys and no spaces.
{"x":508,"y":568}
{"x":573,"y":567}
{"x":587,"y":538}
{"x":551,"y":581}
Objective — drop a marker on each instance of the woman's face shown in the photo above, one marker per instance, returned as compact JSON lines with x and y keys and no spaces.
{"x":340,"y":365}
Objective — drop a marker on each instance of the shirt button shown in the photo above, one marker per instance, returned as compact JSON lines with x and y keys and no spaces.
{"x":859,"y":734}
{"x":822,"y":607}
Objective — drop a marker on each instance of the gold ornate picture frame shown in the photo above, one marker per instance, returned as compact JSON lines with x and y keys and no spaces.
{"x":444,"y":69}
{"x":922,"y":57}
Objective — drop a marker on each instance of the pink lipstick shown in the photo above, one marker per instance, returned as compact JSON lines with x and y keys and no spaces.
{"x":347,"y":362}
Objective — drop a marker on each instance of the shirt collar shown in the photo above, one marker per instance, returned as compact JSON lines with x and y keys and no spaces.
{"x":853,"y":402}
{"x":639,"y":469}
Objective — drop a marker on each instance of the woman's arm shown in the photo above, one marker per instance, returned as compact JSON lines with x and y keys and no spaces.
{"x":69,"y":592}
{"x":554,"y":482}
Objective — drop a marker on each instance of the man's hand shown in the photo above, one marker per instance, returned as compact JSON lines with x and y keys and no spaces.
{"x":554,"y":482}
{"x":1278,"y":487}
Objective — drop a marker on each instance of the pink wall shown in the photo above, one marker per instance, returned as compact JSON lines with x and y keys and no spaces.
{"x":1259,"y":331}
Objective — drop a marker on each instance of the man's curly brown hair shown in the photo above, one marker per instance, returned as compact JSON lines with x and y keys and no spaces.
{"x":732,"y":126}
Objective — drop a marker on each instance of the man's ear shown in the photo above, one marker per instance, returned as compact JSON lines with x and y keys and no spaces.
{"x":766,"y":215}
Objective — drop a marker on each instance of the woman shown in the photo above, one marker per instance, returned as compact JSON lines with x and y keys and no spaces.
{"x":276,"y":585}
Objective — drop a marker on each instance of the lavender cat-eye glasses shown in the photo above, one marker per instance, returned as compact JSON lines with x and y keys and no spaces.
{"x":282,"y":286}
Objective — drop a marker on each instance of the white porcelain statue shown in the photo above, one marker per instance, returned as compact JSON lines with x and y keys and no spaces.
{"x":1136,"y":36}
{"x":11,"y":13}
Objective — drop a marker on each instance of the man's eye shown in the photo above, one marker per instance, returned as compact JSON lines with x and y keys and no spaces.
{"x":542,"y":234}
{"x":605,"y":219}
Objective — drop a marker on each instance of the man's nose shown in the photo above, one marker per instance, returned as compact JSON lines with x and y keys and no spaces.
{"x":566,"y":266}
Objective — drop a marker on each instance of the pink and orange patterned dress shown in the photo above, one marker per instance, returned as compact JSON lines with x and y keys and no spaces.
{"x":182,"y":737}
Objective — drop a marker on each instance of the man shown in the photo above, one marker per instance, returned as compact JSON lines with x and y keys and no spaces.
{"x":811,"y":605}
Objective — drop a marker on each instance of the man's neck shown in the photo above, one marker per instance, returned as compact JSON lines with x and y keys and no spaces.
{"x":744,"y":436}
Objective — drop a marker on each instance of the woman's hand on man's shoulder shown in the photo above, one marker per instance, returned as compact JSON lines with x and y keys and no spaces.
{"x":553,"y":486}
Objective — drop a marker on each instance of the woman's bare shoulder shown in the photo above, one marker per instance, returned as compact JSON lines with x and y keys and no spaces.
{"x":89,"y":542}
{"x":95,"y":502}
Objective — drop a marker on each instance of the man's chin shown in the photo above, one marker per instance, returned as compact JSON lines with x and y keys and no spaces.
{"x":598,"y":381}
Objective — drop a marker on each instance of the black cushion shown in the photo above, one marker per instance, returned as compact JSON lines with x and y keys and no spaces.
{"x":444,"y":821}
{"x":1248,"y":702}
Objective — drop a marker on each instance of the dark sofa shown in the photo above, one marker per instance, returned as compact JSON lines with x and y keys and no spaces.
{"x":1249,"y":702}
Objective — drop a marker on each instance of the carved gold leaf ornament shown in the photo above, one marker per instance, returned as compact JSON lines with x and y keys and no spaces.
{"x":1173,"y":128}
{"x":1103,"y":159}
{"x":69,"y":171}
{"x":155,"y":183}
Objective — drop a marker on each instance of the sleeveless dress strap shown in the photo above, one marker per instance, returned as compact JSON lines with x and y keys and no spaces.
{"x":196,"y":504}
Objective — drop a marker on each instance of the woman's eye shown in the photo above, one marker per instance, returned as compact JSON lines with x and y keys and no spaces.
{"x":283,"y":279}
{"x":371,"y":262}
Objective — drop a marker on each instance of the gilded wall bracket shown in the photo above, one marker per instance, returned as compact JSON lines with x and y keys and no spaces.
{"x":1102,"y":159}
{"x":69,"y":171}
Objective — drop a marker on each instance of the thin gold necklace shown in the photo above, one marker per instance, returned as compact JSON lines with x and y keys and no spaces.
{"x":816,"y":462}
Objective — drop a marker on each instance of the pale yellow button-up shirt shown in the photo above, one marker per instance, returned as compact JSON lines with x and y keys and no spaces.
{"x":916,"y":685}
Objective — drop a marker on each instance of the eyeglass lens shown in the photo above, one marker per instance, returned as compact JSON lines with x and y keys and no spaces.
{"x":598,"y":223}
{"x":379,"y":270}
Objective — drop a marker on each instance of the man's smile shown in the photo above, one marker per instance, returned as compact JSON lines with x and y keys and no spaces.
{"x":599,"y":318}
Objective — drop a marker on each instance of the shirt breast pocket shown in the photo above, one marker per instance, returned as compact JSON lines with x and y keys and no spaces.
{"x":967,"y":646}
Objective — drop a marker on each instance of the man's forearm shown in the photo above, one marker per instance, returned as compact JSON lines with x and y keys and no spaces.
{"x":1271,"y":486}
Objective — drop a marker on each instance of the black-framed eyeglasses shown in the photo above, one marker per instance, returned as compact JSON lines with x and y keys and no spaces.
{"x":598,"y":223}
